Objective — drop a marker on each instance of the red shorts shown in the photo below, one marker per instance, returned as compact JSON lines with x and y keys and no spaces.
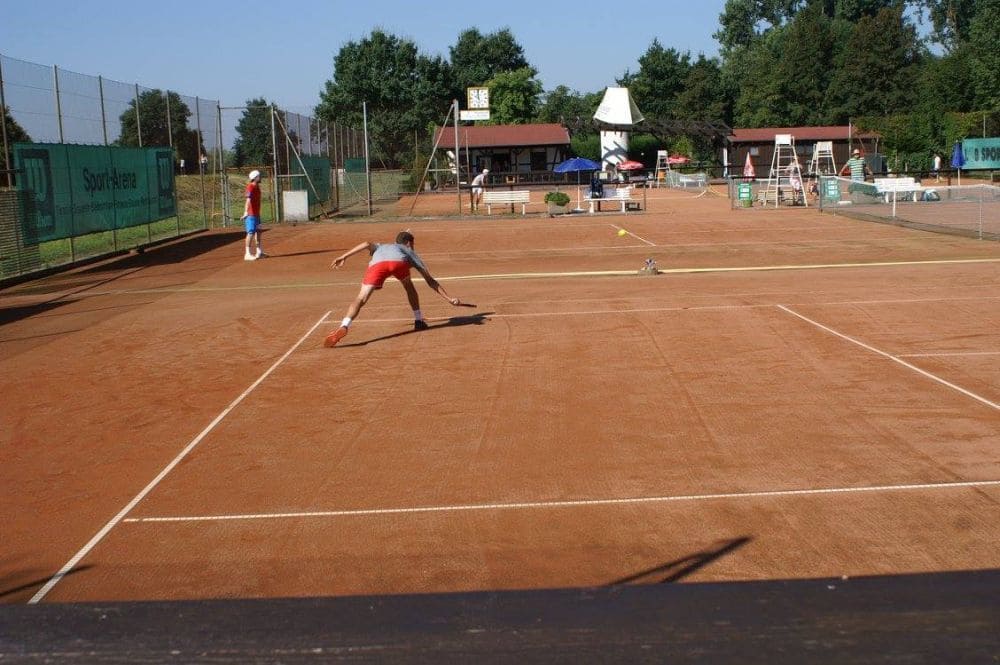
{"x":381,"y":271}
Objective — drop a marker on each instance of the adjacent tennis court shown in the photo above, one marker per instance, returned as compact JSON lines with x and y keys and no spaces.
{"x":795,"y":395}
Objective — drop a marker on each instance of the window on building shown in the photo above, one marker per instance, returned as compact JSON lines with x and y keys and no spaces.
{"x":539,"y":161}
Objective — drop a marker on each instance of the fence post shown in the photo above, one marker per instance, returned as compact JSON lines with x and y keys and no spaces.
{"x":138,"y":116}
{"x":204,"y":207}
{"x":3,"y":129}
{"x":55,"y":80}
{"x":274,"y":159}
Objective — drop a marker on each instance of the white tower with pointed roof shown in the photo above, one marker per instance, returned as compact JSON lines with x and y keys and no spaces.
{"x":616,"y":108}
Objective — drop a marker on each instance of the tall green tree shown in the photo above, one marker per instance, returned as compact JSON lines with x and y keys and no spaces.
{"x":403,"y":91}
{"x":750,"y":76}
{"x":702,"y":96}
{"x":877,"y":69}
{"x":253,"y":145}
{"x":514,"y":97}
{"x":984,"y":60}
{"x":804,"y":67}
{"x":476,"y":58}
{"x":153,"y":105}
{"x":660,"y":79}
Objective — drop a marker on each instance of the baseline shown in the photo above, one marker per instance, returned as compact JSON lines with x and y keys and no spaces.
{"x":568,"y":504}
{"x":99,"y":536}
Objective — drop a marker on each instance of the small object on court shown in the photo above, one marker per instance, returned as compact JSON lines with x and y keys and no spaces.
{"x":622,"y":232}
{"x":649,"y":268}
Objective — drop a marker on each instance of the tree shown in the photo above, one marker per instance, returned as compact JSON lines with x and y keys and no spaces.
{"x":660,"y":79}
{"x":477,"y":58}
{"x":951,"y":20}
{"x":702,"y":96}
{"x":514,"y":97}
{"x":876,"y":72}
{"x":804,"y":66}
{"x":568,"y":107}
{"x":984,"y":60}
{"x":15,"y":134}
{"x":153,"y":105}
{"x":402,"y":89}
{"x":253,"y":145}
{"x":750,"y":75}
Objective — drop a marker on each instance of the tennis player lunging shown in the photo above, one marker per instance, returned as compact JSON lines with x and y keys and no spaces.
{"x":389,"y":259}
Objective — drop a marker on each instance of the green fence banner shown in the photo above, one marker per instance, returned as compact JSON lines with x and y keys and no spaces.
{"x":79,"y":189}
{"x":318,"y":169}
{"x":981,"y":153}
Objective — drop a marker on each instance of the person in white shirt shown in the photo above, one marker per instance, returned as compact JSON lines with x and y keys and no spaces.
{"x":478,"y":183}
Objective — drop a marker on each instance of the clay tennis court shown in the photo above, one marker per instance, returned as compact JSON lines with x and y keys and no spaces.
{"x":795,"y":396}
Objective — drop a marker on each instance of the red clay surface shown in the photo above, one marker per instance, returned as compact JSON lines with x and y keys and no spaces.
{"x":809,"y":394}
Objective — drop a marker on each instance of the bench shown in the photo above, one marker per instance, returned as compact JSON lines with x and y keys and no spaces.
{"x":695,"y":180}
{"x":522,"y":196}
{"x":621,"y":195}
{"x":908,"y":187}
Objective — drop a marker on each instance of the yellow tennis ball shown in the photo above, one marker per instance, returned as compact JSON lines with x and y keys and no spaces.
{"x":622,"y":232}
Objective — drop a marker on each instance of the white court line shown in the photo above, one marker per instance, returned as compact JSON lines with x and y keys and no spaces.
{"x":99,"y":536}
{"x":615,"y":226}
{"x":944,"y":354}
{"x":896,"y":359}
{"x":547,"y":275}
{"x":567,"y":504}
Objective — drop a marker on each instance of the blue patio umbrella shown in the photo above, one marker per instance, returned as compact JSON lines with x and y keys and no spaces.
{"x":577,"y":164}
{"x":958,"y":159}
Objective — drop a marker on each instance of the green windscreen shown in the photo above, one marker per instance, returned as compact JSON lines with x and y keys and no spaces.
{"x":318,"y":169}
{"x":79,"y":189}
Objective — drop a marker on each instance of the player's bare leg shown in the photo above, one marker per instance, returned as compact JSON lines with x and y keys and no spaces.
{"x":352,"y":313}
{"x":414,"y":299}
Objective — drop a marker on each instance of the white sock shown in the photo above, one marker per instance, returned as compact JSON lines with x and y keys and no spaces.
{"x":346,"y":323}
{"x":417,"y":316}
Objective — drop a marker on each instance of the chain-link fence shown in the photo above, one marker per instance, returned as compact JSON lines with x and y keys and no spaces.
{"x":50,"y":105}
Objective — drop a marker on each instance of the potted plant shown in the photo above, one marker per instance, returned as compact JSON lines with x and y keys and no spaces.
{"x":558,"y":202}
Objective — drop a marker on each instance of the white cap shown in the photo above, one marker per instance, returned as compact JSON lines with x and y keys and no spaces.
{"x":255,"y":175}
{"x":486,"y":170}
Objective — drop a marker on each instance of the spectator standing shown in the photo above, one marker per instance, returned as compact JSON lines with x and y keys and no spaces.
{"x":251,"y":217}
{"x":478,"y":183}
{"x":856,"y":167}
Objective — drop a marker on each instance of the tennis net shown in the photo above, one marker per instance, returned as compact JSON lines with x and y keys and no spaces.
{"x":971,"y":210}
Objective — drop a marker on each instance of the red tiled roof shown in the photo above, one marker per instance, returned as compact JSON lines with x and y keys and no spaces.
{"x":503,"y":136}
{"x":766,"y":134}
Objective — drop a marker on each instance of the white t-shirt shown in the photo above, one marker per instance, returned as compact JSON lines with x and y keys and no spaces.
{"x":479,"y":180}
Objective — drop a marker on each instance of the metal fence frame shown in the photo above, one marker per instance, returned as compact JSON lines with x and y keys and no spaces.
{"x":56,"y":105}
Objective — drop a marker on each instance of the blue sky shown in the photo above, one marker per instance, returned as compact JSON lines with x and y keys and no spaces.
{"x":231,"y":52}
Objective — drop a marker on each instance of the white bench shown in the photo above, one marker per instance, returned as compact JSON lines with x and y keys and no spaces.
{"x":622,"y":195}
{"x":511,"y":198}
{"x":694,"y":180}
{"x":908,"y":187}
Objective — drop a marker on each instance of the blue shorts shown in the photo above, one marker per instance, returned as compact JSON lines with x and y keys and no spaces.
{"x":252,"y":224}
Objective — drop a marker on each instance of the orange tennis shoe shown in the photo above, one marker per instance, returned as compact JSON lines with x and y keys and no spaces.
{"x":334,"y":337}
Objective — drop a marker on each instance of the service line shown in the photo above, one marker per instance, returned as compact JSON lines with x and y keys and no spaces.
{"x":99,"y":536}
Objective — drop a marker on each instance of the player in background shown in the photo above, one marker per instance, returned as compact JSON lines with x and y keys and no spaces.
{"x":251,"y":217}
{"x":389,"y":259}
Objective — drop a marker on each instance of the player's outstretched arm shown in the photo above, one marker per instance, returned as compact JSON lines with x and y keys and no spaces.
{"x":339,"y":261}
{"x":436,"y":285}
